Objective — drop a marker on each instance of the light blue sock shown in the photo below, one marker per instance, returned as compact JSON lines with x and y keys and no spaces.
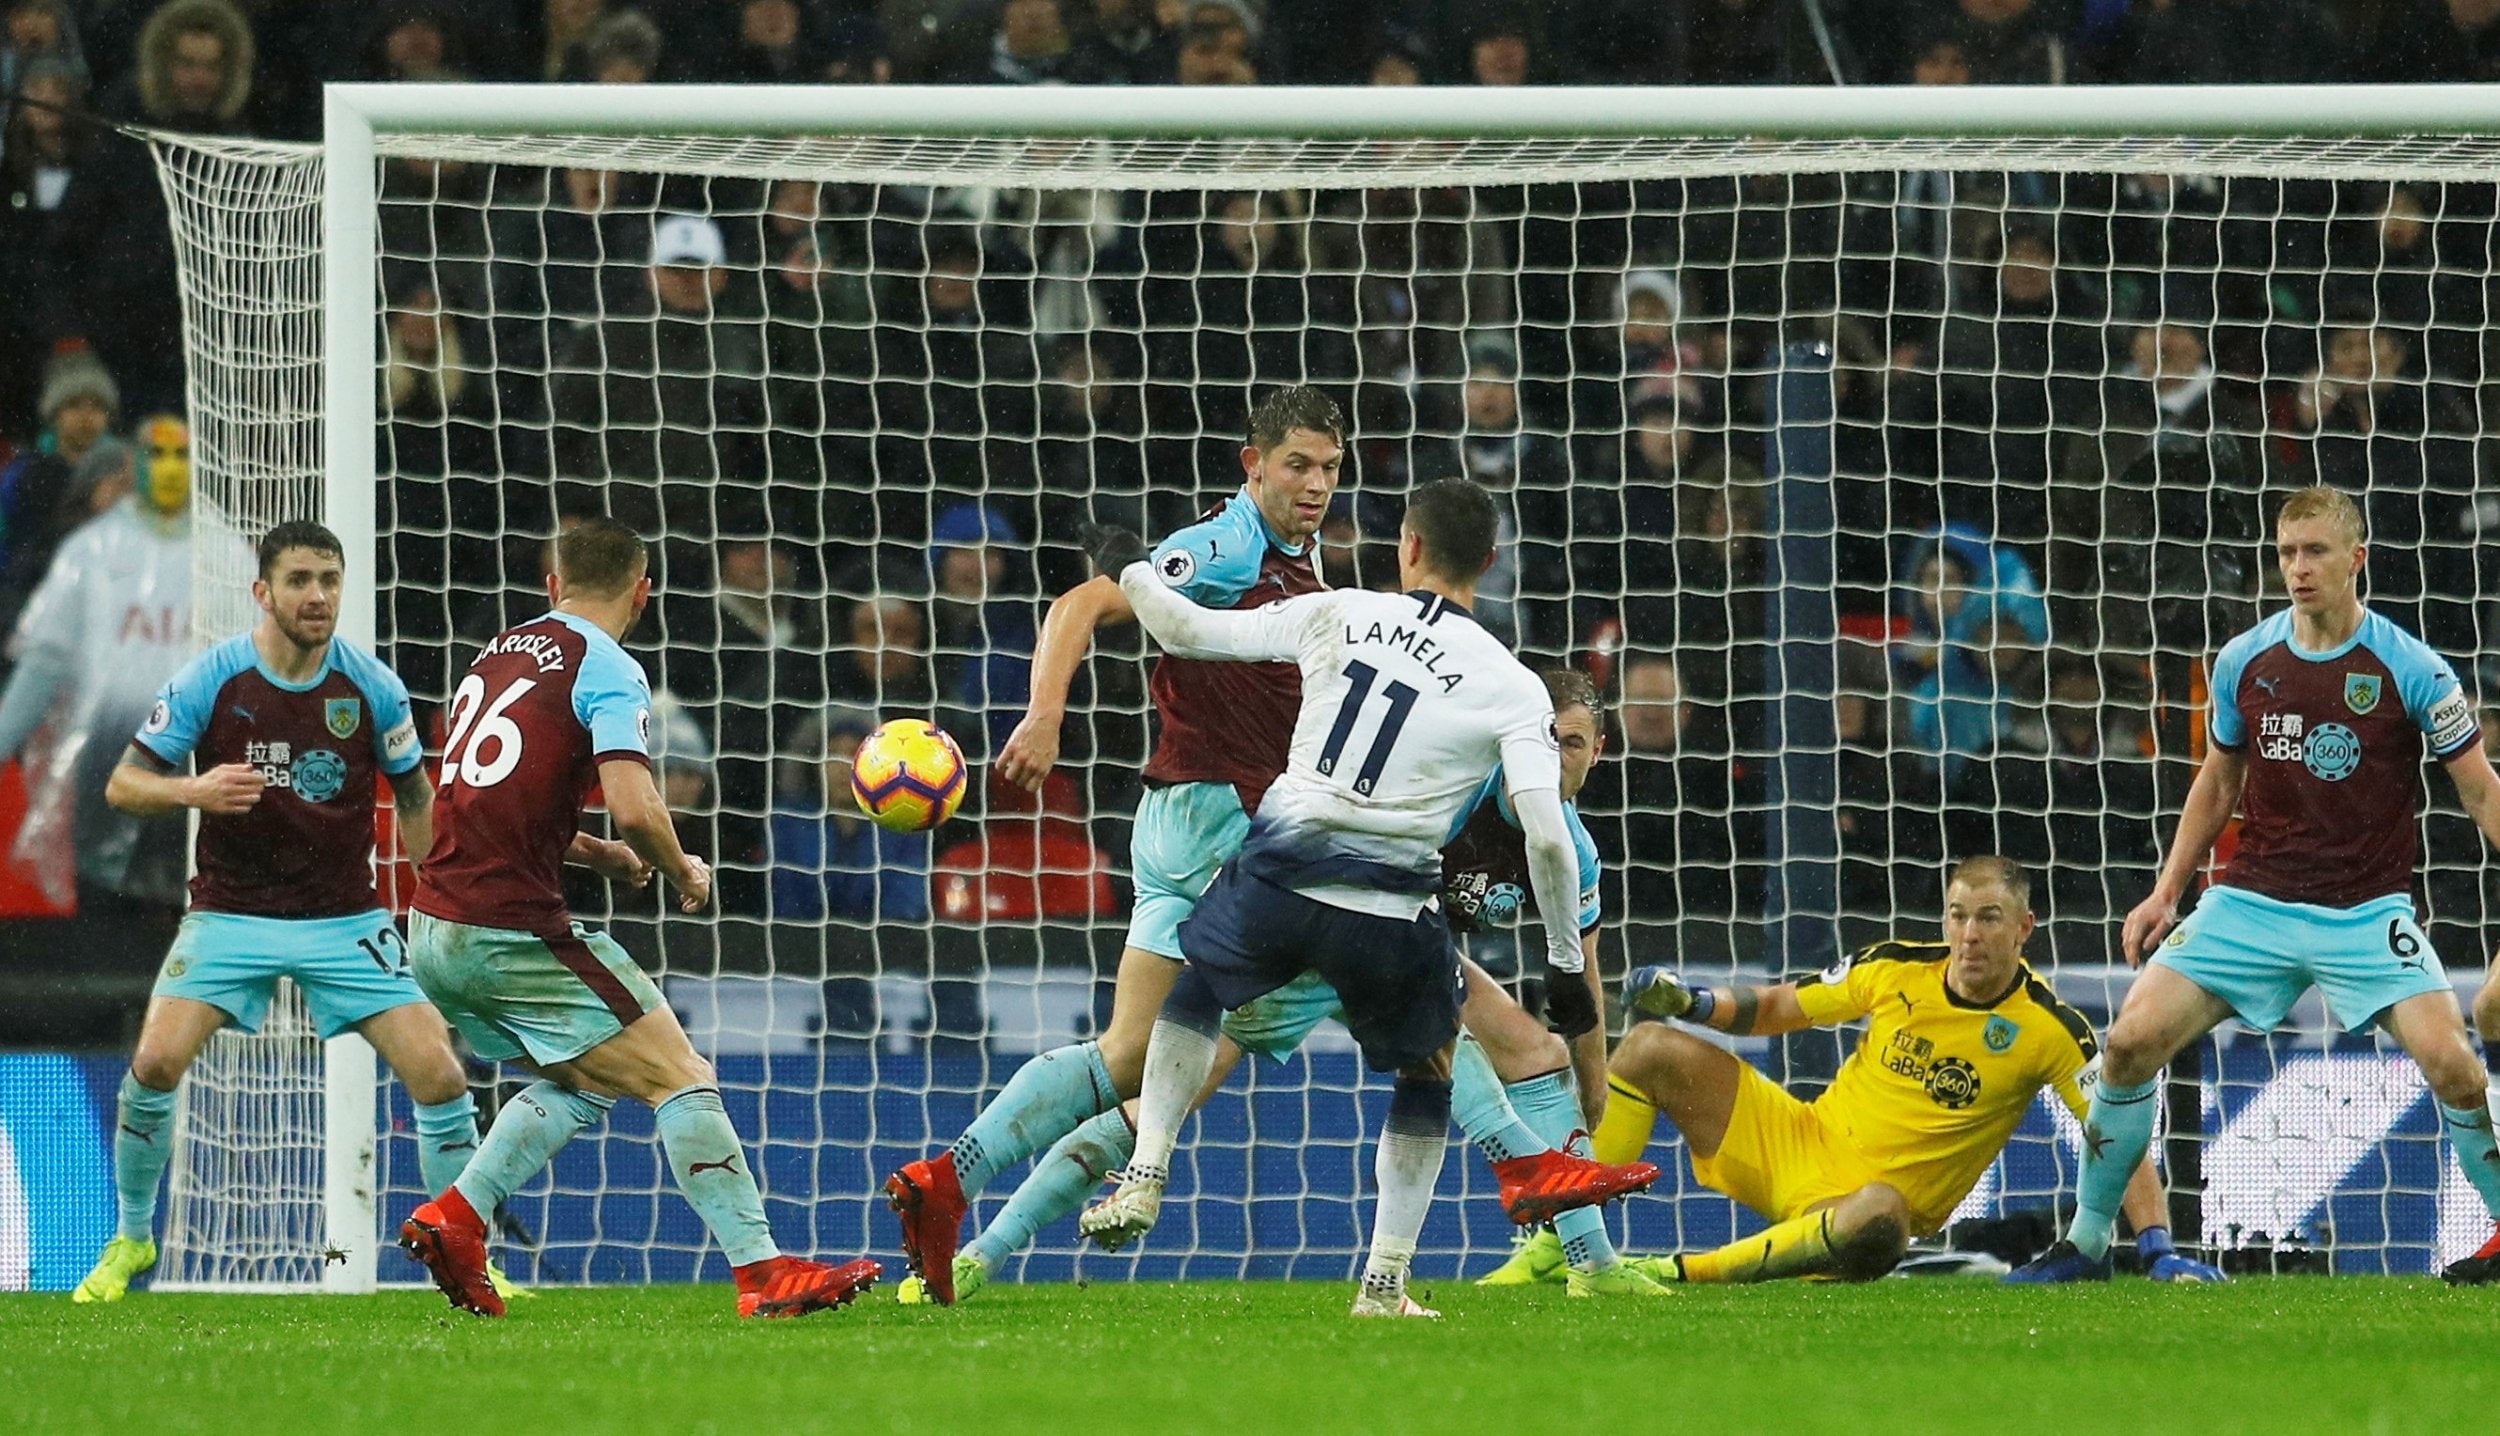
{"x":711,"y":1169}
{"x":143,"y":1139}
{"x":527,"y":1134}
{"x":2116,"y":1131}
{"x":446,"y":1140}
{"x":2469,"y":1131}
{"x":1059,"y":1184}
{"x":1043,"y":1102}
{"x":1552,"y":1111}
{"x":1483,"y":1111}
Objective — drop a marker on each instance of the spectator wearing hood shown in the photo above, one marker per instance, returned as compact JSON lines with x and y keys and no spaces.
{"x":1973,"y":616}
{"x":985,"y":627}
{"x":109,"y":625}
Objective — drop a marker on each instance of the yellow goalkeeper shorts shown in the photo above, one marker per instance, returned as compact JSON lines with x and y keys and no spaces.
{"x":1779,"y":1157}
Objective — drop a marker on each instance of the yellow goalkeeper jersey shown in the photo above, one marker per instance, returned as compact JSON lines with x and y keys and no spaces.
{"x":1938,"y":1085}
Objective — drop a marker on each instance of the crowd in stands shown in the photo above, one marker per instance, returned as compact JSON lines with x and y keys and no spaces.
{"x":869,"y":421}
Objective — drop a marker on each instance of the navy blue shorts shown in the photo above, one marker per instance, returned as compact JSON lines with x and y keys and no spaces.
{"x":1398,"y":981}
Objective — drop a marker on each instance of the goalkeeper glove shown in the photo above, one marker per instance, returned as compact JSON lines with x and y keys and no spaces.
{"x":1112,"y":548}
{"x":1570,"y":1008}
{"x":1654,"y":991}
{"x":2163,"y":1261}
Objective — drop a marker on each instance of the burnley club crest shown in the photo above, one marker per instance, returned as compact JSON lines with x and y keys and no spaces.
{"x":2361,"y":692}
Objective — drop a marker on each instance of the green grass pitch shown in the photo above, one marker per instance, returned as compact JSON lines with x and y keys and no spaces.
{"x":1932,"y":1356}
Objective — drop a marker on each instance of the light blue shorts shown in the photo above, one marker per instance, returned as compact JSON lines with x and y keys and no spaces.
{"x":349,"y":968}
{"x":1275,"y":1026}
{"x":517,"y":994}
{"x":2260,"y":954}
{"x":1184,"y":833}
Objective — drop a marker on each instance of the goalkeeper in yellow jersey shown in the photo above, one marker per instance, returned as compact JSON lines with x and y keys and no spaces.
{"x":1961,"y":1035}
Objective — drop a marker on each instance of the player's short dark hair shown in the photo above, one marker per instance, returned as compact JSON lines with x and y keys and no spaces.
{"x":1573,"y":688}
{"x":298,"y":533}
{"x":599,"y":557}
{"x":2004,"y":872}
{"x":1296,"y":406}
{"x":1458,"y":524}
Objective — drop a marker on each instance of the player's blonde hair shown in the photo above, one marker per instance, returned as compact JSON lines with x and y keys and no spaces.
{"x":2321,"y":502}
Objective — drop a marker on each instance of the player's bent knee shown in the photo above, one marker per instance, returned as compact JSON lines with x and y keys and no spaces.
{"x":1653,"y":1055}
{"x":431,"y":1082}
{"x":1125,"y":1059}
{"x":158,"y":1068}
{"x":2487,"y":1013}
{"x":1872,"y":1249}
{"x":1518,"y":1061}
{"x":2128,"y":1060}
{"x":1871,"y":1231}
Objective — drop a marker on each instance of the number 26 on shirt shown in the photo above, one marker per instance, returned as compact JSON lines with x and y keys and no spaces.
{"x":493,"y":749}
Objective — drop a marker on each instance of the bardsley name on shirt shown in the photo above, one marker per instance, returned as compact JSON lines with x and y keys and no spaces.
{"x":538,"y":647}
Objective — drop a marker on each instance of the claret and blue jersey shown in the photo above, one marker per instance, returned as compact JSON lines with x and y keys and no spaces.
{"x":1484,"y":868}
{"x":2334,"y":743}
{"x":540,"y":709}
{"x":1228,"y":722}
{"x":306,"y":848}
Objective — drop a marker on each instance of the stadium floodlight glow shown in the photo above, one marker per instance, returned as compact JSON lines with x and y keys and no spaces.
{"x":1419,"y":228}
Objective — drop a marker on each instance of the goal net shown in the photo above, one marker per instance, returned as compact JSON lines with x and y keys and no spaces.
{"x":1898,"y":486}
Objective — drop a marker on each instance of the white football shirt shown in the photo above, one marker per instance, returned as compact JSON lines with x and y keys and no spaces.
{"x":1408,"y":706}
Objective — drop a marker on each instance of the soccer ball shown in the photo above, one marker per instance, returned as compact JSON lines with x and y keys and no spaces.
{"x":908,"y":776}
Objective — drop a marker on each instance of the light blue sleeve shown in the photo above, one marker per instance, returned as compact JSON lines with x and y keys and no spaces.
{"x":613,"y":700}
{"x":2229,"y":727}
{"x":395,"y":745}
{"x":2433,"y":697}
{"x":1492,"y":793}
{"x":183,"y":706}
{"x":1590,"y":910}
{"x":1215,"y":561}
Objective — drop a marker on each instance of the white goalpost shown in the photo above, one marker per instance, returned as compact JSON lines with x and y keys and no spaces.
{"x":1896,"y":453}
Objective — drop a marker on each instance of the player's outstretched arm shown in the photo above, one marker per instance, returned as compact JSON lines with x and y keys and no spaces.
{"x":1656,"y":991}
{"x":642,"y":821}
{"x":1067,"y":634}
{"x":143,"y":790}
{"x":2210,"y":803}
{"x":1270,"y":634}
{"x":1588,"y":1050}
